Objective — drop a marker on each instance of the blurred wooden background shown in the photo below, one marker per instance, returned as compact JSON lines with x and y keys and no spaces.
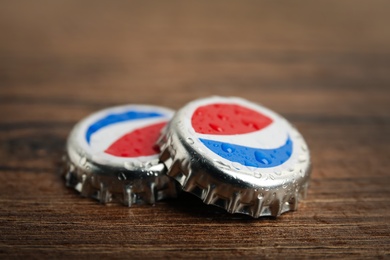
{"x":325,"y":65}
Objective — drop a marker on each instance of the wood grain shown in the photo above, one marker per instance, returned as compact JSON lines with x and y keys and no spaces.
{"x":323,"y":65}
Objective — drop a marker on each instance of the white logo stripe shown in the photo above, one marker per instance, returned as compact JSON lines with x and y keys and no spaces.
{"x":106,"y":136}
{"x":270,"y":137}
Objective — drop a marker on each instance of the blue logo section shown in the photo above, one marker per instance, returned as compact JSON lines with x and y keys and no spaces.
{"x":118,"y":118}
{"x":254,"y":157}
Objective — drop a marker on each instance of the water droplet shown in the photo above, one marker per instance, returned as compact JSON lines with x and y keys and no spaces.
{"x":271,"y":177}
{"x":83,"y":160}
{"x":262,"y":158}
{"x":223,"y":117}
{"x":277,"y":173}
{"x":260,"y":196}
{"x":302,"y":158}
{"x":147,"y":165}
{"x":129,"y":165}
{"x":237,"y":166}
{"x":257,"y":174}
{"x":190,"y":140}
{"x":216,"y":127}
{"x":221,"y":164}
{"x":227,"y":148}
{"x":121,"y":176}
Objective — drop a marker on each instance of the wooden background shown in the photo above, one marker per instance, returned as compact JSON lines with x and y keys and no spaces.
{"x":323,"y":65}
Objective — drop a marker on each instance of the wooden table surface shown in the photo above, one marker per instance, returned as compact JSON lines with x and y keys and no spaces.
{"x":325,"y":66}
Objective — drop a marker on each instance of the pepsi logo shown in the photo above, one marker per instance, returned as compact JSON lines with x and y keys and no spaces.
{"x":123,"y":133}
{"x":247,"y":135}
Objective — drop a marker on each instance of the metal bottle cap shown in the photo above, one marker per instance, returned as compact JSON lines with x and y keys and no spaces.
{"x":237,"y":155}
{"x":111,"y":155}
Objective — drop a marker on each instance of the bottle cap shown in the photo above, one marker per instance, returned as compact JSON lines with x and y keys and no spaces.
{"x":111,"y":155}
{"x":237,"y":155}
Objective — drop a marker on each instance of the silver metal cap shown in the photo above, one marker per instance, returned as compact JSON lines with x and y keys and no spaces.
{"x":237,"y":155}
{"x":111,"y":156}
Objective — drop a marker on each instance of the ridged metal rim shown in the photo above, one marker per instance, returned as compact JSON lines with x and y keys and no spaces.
{"x":109,"y":189}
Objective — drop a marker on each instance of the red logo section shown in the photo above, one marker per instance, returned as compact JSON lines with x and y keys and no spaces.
{"x":227,"y":119}
{"x":140,"y":142}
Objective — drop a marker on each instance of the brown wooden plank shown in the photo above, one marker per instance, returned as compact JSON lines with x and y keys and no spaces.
{"x":324,"y":65}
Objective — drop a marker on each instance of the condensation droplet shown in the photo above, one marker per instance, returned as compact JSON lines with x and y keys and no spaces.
{"x":257,"y":174}
{"x":121,"y":176}
{"x":129,"y":165}
{"x":227,"y":148}
{"x":147,"y":165}
{"x":237,"y":166}
{"x":190,"y":140}
{"x":221,"y":164}
{"x":223,"y":117}
{"x":262,"y":158}
{"x":83,"y":160}
{"x":216,"y":127}
{"x":302,"y":158}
